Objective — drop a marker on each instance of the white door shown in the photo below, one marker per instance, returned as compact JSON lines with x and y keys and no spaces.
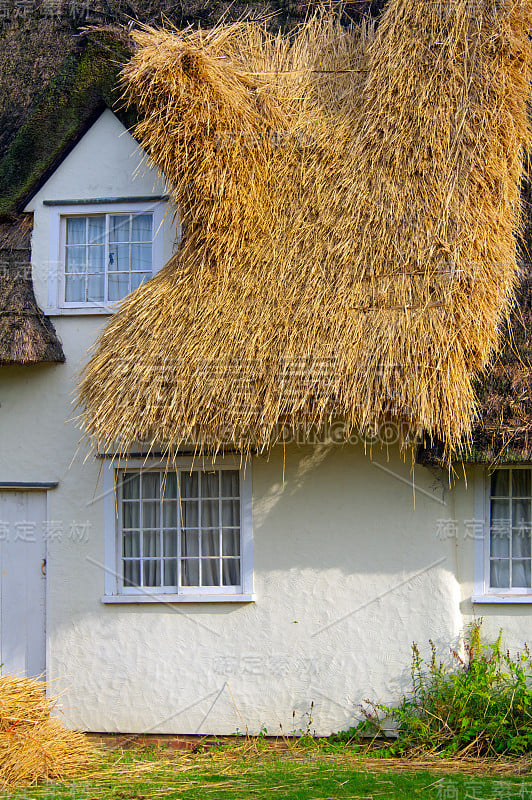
{"x":22,"y":582}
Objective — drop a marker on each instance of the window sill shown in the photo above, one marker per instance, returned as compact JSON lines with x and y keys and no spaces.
{"x":76,"y":311}
{"x":178,"y":598}
{"x":502,"y":598}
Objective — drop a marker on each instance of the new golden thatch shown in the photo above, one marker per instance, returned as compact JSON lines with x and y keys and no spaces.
{"x":351,"y":205}
{"x":34,"y":746}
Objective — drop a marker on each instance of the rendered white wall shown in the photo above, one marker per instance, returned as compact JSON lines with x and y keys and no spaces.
{"x":350,"y":566}
{"x":106,"y":163}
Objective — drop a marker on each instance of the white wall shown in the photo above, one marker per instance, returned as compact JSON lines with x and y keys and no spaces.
{"x":350,"y":564}
{"x":106,"y":163}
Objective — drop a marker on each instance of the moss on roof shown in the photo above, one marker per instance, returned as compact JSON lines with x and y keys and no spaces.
{"x":86,"y":83}
{"x":30,"y":57}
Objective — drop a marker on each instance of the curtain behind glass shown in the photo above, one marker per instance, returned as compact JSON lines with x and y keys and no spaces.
{"x":209,"y":505}
{"x":190,"y":534}
{"x":230,"y":503}
{"x":521,"y":543}
{"x":510,"y":535}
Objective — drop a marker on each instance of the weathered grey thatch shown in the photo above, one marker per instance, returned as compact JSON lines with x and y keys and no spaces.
{"x":503,"y":432}
{"x":26,"y":335}
{"x":503,"y":429}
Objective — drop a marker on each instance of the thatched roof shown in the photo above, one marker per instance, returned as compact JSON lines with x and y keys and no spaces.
{"x":351,"y":204}
{"x":52,"y":82}
{"x":55,"y":79}
{"x":26,"y":335}
{"x":84,"y":85}
{"x":502,"y":432}
{"x":504,"y":429}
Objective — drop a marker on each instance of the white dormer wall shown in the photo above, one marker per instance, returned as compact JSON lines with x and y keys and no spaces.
{"x":107,"y":163}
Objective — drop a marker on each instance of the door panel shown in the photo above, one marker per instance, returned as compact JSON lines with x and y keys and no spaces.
{"x":22,"y":582}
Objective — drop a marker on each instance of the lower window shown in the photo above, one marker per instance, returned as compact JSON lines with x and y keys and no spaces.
{"x":182,"y":531}
{"x":509,"y":551}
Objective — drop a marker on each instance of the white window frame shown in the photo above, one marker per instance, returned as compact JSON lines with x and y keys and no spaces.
{"x":483,"y":592}
{"x":57,"y":228}
{"x":115,"y":592}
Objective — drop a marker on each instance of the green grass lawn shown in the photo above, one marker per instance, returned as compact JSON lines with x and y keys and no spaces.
{"x":239,"y":774}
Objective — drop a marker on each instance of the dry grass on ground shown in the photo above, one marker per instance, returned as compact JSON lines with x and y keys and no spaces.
{"x":35,"y":746}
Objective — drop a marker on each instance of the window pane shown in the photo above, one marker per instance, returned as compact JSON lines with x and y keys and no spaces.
{"x":75,"y":288}
{"x":500,"y":543}
{"x":131,"y":545}
{"x":141,"y":228}
{"x":190,"y":572}
{"x":230,"y":483}
{"x":170,"y":485}
{"x":150,"y":485}
{"x":231,"y":543}
{"x":190,"y":543}
{"x":190,"y":514}
{"x":131,"y":573}
{"x":119,"y":228}
{"x":520,"y":544}
{"x":210,"y":515}
{"x":118,"y":286}
{"x":500,"y":483}
{"x":520,"y":574}
{"x":96,"y":259}
{"x":170,"y":543}
{"x":521,"y":483}
{"x":189,"y":484}
{"x":95,"y":288}
{"x":119,"y":258}
{"x":521,"y":516}
{"x":76,"y":230}
{"x":210,"y":572}
{"x":138,"y":278}
{"x":151,"y":545}
{"x":170,"y":572}
{"x":130,"y":486}
{"x":500,"y":517}
{"x":97,"y":230}
{"x":231,"y":572}
{"x":76,"y":260}
{"x":499,"y":573}
{"x":210,"y":543}
{"x":170,"y":514}
{"x":209,"y":484}
{"x":231,"y":513}
{"x":141,"y":257}
{"x":131,"y":516}
{"x":151,"y":571}
{"x":150,"y":514}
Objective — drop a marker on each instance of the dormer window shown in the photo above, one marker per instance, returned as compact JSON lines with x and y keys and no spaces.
{"x":101,"y":251}
{"x":107,"y":256}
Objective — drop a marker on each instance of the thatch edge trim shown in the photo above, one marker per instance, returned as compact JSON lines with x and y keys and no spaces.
{"x":27,"y":335}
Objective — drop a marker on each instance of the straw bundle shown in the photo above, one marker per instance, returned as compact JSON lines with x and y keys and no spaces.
{"x":350,"y":201}
{"x":34,"y":746}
